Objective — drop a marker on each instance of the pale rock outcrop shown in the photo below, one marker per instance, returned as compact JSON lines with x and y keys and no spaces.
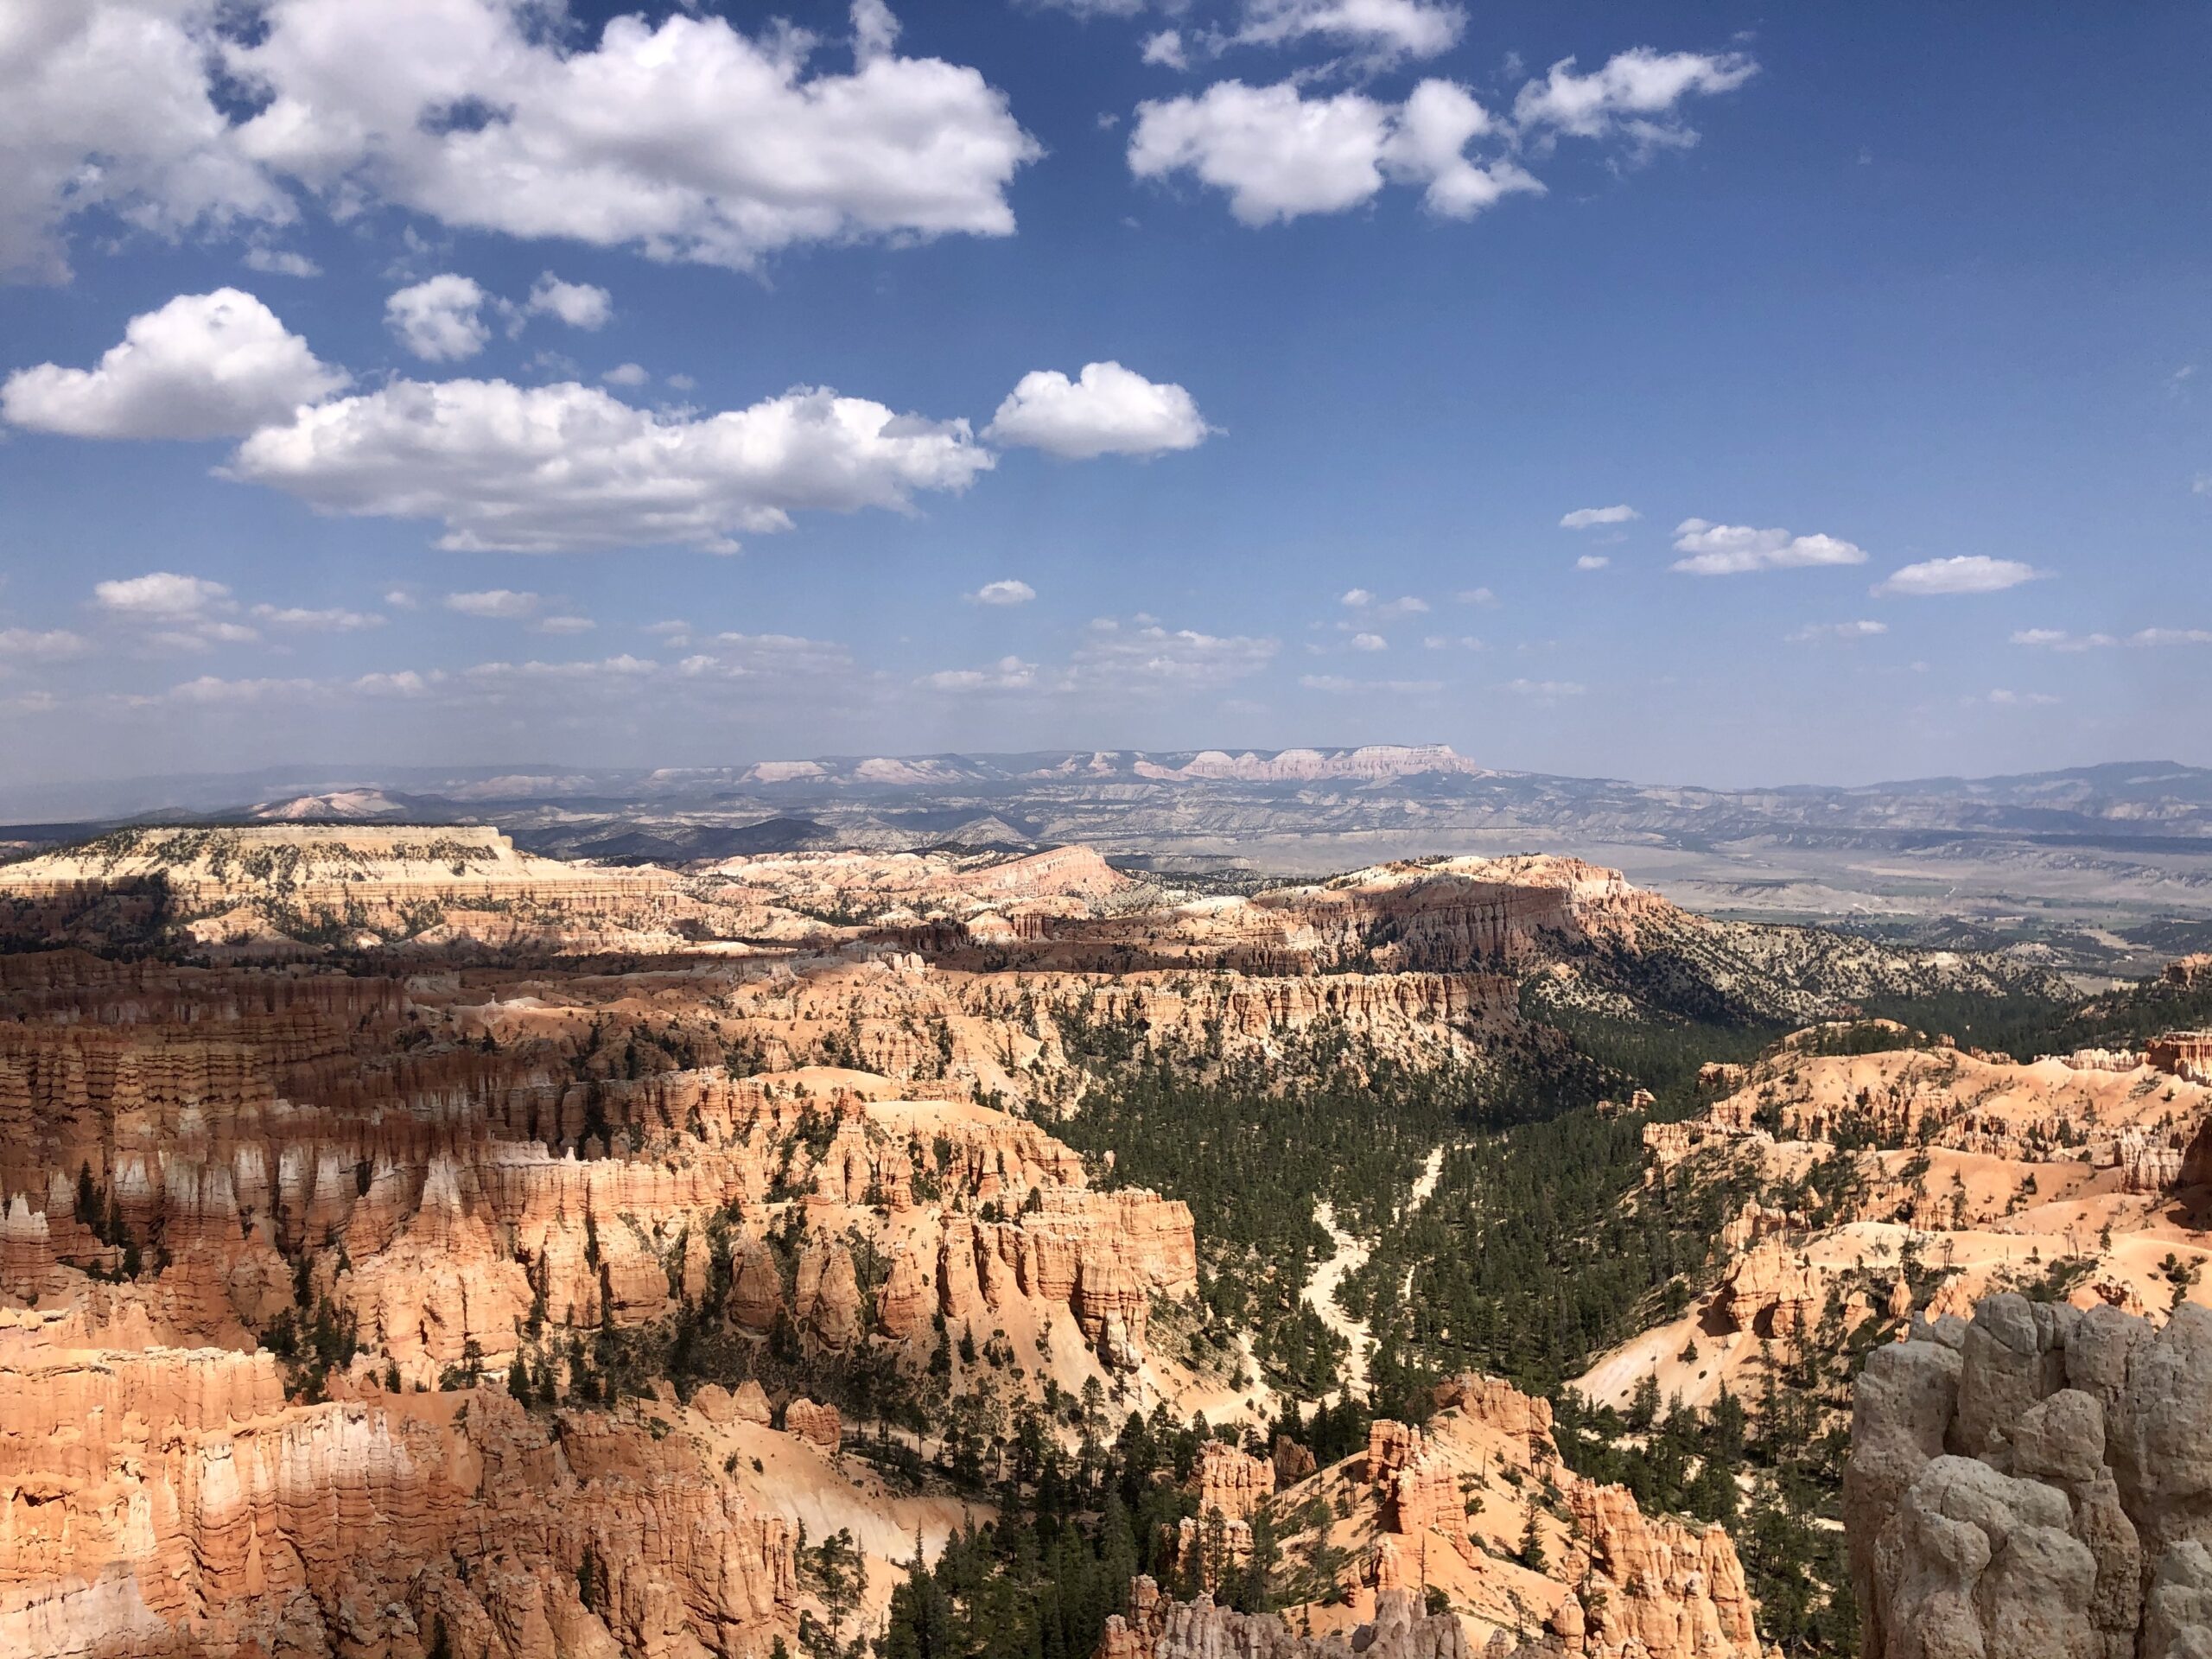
{"x":750,"y":1403}
{"x":2038,"y":1482}
{"x":1158,"y":1628}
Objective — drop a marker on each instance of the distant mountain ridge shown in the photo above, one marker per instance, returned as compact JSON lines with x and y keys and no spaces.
{"x":2065,"y":860}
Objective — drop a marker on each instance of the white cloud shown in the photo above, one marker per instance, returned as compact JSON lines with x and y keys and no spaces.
{"x":1105,"y":410}
{"x":686,"y":139}
{"x":2171,"y":636}
{"x":1637,"y":92}
{"x":1838,"y":631}
{"x":441,"y":319}
{"x":1476,"y":596}
{"x":1369,"y":642}
{"x":2059,"y":639}
{"x":2003,"y":699}
{"x":160,"y":595}
{"x":1592,"y":561}
{"x":328,"y":621}
{"x":627,"y":374}
{"x":1583,"y":518}
{"x":405,"y":682}
{"x":1385,"y":28}
{"x":402,"y":598}
{"x":1279,"y":154}
{"x":566,"y":466}
{"x":35,"y":645}
{"x":1365,"y":601}
{"x":210,"y":690}
{"x":564,"y":625}
{"x":1166,"y":49}
{"x":1338,"y":685}
{"x":106,"y":105}
{"x":500,"y":604}
{"x":621,"y":668}
{"x":281,"y":262}
{"x":766,"y":658}
{"x":1445,"y":642}
{"x":1973,"y":573}
{"x":504,"y":603}
{"x":1009,"y":592}
{"x":581,"y":305}
{"x":1144,"y":658}
{"x":1545,"y":691}
{"x":1712,"y":549}
{"x":1007,"y":674}
{"x":204,"y":365}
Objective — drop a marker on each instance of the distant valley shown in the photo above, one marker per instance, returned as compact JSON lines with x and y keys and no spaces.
{"x":2098,"y":870}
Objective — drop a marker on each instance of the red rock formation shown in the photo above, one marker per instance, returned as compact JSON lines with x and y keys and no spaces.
{"x":1232,"y":1482}
{"x":818,"y":1425}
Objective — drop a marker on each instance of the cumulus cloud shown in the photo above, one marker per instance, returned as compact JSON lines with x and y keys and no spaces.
{"x":1007,"y":674}
{"x":1278,"y":153}
{"x":1105,"y":410}
{"x":1637,"y":91}
{"x":1338,"y":685}
{"x":2060,"y":639}
{"x":566,"y":466}
{"x":1009,"y":592}
{"x":107,"y":105}
{"x":1592,"y":561}
{"x":209,"y":691}
{"x":563,"y":625}
{"x":1585,"y":517}
{"x":627,"y":374}
{"x":281,"y":262}
{"x":2171,"y":636}
{"x":686,"y":139}
{"x":160,"y":595}
{"x":1369,"y":642}
{"x":1368,"y":603}
{"x":441,"y":319}
{"x":2004,"y":699}
{"x":1476,"y":596}
{"x":1838,"y":631}
{"x":204,"y":365}
{"x":1164,"y":48}
{"x":1142,"y":657}
{"x":1382,"y":29}
{"x":581,"y":305}
{"x":322,"y":621}
{"x":1711,"y":550}
{"x":1973,"y":573}
{"x":504,"y":604}
{"x":1545,"y":691}
{"x":39,"y":645}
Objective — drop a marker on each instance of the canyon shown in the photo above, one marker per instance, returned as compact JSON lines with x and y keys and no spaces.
{"x":413,"y":1245}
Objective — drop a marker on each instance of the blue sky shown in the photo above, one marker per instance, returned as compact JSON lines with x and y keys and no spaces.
{"x":462,"y":393}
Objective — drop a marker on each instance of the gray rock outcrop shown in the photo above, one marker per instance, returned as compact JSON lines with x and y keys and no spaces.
{"x":2036,"y":1484}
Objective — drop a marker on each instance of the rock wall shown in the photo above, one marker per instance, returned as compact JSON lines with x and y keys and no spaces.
{"x":169,"y":1502}
{"x":2038,"y":1482}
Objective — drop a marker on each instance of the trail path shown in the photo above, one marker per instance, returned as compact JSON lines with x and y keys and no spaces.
{"x":1319,"y":1292}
